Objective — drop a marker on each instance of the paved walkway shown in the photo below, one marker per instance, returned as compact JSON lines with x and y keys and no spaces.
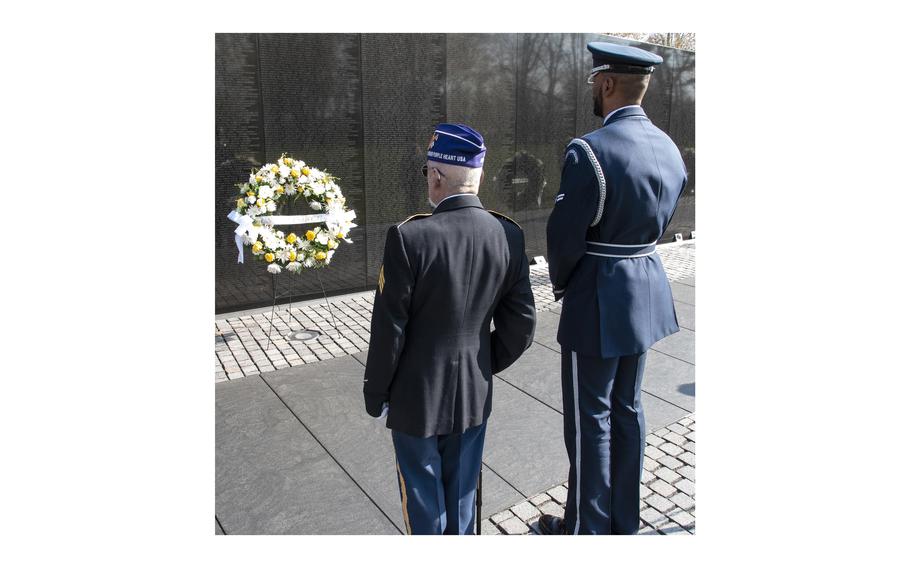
{"x":296,"y":453}
{"x":255,"y":341}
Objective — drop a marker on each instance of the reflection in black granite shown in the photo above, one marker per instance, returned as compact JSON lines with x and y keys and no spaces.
{"x":362,"y":106}
{"x":403,"y":99}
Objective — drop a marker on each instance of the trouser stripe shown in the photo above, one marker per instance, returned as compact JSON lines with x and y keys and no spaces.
{"x":577,"y":444}
{"x":404,"y":499}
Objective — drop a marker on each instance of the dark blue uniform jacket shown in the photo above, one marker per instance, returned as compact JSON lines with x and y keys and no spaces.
{"x":444,"y":278}
{"x":620,"y":185}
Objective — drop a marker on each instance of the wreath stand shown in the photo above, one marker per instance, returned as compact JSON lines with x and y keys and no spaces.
{"x":299,"y":334}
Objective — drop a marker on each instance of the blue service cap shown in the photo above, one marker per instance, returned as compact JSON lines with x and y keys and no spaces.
{"x":457,"y":144}
{"x":615,"y":58}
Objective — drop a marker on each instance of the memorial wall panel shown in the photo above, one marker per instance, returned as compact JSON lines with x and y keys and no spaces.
{"x":362,"y":106}
{"x":546,"y":87}
{"x":403,"y":100}
{"x":239,"y":146}
{"x":480,"y":92}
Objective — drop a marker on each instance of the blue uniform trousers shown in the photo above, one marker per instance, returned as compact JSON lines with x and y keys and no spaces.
{"x":604,"y":427}
{"x":437,"y":480}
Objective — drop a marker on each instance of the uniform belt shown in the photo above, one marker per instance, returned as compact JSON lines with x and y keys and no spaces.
{"x":620,"y":251}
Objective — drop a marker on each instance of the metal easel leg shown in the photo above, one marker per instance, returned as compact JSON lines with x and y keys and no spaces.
{"x":274,"y":304}
{"x":328,"y":305}
{"x":290,"y":302}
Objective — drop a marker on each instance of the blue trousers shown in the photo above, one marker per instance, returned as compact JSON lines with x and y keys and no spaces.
{"x":437,"y":480}
{"x":604,"y":427}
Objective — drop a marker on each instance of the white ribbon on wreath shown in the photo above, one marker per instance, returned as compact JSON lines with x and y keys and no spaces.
{"x":245,"y":224}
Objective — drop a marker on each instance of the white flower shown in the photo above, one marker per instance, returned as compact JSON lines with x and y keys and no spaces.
{"x":252,"y":178}
{"x":251,"y":199}
{"x":266,"y":192}
{"x":308,"y":262}
{"x":283,"y":255}
{"x":274,"y":268}
{"x":290,"y":191}
{"x":270,"y":177}
{"x":318,"y":189}
{"x":316,"y":205}
{"x":279,"y":234}
{"x":322,"y":238}
{"x":247,"y":240}
{"x":293,"y":266}
{"x":270,"y":206}
{"x":253,"y":211}
{"x":329,"y":255}
{"x":284,"y":171}
{"x":305,"y":245}
{"x":283,"y":180}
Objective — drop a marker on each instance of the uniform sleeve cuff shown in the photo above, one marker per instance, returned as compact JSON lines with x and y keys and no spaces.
{"x":374,"y":404}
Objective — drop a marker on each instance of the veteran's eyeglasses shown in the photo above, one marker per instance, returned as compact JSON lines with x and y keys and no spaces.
{"x":423,"y":170}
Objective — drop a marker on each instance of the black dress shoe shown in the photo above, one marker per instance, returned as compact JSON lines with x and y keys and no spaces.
{"x":552,"y":525}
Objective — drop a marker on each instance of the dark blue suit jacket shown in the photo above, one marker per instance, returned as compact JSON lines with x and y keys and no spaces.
{"x":614,"y":306}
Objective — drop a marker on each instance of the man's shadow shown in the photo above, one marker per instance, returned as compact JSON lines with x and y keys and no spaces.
{"x":687,"y":389}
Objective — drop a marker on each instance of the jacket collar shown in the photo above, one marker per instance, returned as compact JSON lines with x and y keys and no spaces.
{"x":625,"y":112}
{"x":458,"y":201}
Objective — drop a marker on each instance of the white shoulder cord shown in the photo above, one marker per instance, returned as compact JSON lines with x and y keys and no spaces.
{"x":601,"y":181}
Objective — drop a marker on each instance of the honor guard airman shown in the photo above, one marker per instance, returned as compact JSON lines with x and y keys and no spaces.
{"x":444,"y":278}
{"x":619,"y":189}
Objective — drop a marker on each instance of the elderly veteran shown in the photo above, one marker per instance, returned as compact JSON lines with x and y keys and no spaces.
{"x":620,"y":186}
{"x":444,"y":278}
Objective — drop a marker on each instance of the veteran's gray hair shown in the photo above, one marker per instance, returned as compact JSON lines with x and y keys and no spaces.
{"x":459,"y":179}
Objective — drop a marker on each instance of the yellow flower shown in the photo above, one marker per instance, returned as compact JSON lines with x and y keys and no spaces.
{"x":257,"y":246}
{"x":320,"y":255}
{"x":292,"y":255}
{"x":269,"y":257}
{"x":274,"y":169}
{"x":240,"y":202}
{"x":291,"y":238}
{"x":306,"y":171}
{"x":340,"y":235}
{"x":251,"y":194}
{"x":333,"y":244}
{"x":310,"y":235}
{"x":279,"y":190}
{"x":258,"y":179}
{"x":260,"y":202}
{"x":288,"y":162}
{"x":295,"y":174}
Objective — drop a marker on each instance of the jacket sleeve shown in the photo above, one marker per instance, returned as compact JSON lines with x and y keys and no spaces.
{"x":514,"y":318}
{"x":573,"y":212}
{"x":390,"y":318}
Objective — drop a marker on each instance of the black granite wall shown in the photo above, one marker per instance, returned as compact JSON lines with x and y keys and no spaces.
{"x":362,"y":106}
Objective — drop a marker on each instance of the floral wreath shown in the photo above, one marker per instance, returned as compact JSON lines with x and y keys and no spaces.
{"x":267,"y":190}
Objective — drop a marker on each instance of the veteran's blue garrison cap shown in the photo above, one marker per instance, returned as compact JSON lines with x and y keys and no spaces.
{"x":457,"y":144}
{"x":615,"y":58}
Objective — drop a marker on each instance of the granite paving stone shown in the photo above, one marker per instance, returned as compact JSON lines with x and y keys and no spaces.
{"x":683,"y":293}
{"x":680,"y":345}
{"x":683,"y":501}
{"x":524,"y":442}
{"x":514,"y":525}
{"x":272,"y":476}
{"x":685,"y":315}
